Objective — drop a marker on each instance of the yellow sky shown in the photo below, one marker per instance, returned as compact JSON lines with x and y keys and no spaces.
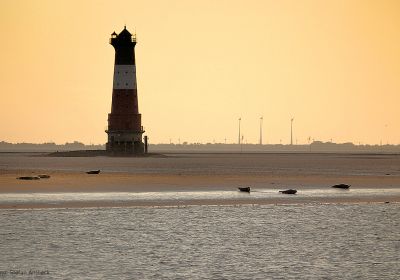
{"x":333,"y":65}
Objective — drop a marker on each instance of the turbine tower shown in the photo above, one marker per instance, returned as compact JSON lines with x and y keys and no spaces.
{"x":261,"y":123}
{"x":291,"y":131}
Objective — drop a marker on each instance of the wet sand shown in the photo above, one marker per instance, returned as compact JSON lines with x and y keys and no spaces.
{"x":193,"y":173}
{"x":72,"y":182}
{"x":126,"y":182}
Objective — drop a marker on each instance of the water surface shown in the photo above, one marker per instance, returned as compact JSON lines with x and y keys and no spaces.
{"x":332,"y":241}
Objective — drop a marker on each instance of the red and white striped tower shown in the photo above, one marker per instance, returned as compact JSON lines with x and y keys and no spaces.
{"x":124,"y":122}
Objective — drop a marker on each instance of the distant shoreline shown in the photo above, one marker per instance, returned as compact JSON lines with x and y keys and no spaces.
{"x":314,"y":147}
{"x":95,"y":153}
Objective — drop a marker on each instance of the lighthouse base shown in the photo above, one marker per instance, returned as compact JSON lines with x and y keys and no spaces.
{"x":121,"y":142}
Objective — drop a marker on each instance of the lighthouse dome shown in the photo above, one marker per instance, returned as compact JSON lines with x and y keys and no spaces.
{"x":125,"y":33}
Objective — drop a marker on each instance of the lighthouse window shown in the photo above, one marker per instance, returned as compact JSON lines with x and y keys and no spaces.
{"x":126,"y":72}
{"x":126,"y":84}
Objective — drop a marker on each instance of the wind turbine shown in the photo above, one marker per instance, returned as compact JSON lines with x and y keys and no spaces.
{"x":239,"y":129}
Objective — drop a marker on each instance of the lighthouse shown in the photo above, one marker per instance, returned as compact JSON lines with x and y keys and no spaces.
{"x":125,"y":128}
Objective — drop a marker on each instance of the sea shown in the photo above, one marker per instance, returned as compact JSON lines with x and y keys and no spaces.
{"x":297,"y":241}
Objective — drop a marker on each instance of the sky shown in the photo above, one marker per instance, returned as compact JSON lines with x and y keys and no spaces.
{"x":333,"y":65}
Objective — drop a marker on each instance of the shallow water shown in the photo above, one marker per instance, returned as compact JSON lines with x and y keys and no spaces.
{"x":346,"y":241}
{"x":186,"y":196}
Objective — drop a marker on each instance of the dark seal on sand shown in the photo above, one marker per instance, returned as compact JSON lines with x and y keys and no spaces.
{"x":28,"y":178}
{"x":93,"y":172}
{"x":341,"y":186}
{"x":289,"y":191}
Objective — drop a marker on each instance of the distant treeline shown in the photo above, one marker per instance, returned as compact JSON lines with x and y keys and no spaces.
{"x":316,"y":147}
{"x":47,"y":147}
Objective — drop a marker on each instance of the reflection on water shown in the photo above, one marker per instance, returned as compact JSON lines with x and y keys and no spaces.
{"x":205,"y":242}
{"x":256,"y":194}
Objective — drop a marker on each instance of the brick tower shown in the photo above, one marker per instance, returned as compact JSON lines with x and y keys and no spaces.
{"x":124,"y":122}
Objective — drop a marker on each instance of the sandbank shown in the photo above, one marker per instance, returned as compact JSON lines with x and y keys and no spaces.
{"x":80,"y":182}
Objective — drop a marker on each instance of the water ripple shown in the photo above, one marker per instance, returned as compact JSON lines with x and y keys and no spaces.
{"x":205,"y":242}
